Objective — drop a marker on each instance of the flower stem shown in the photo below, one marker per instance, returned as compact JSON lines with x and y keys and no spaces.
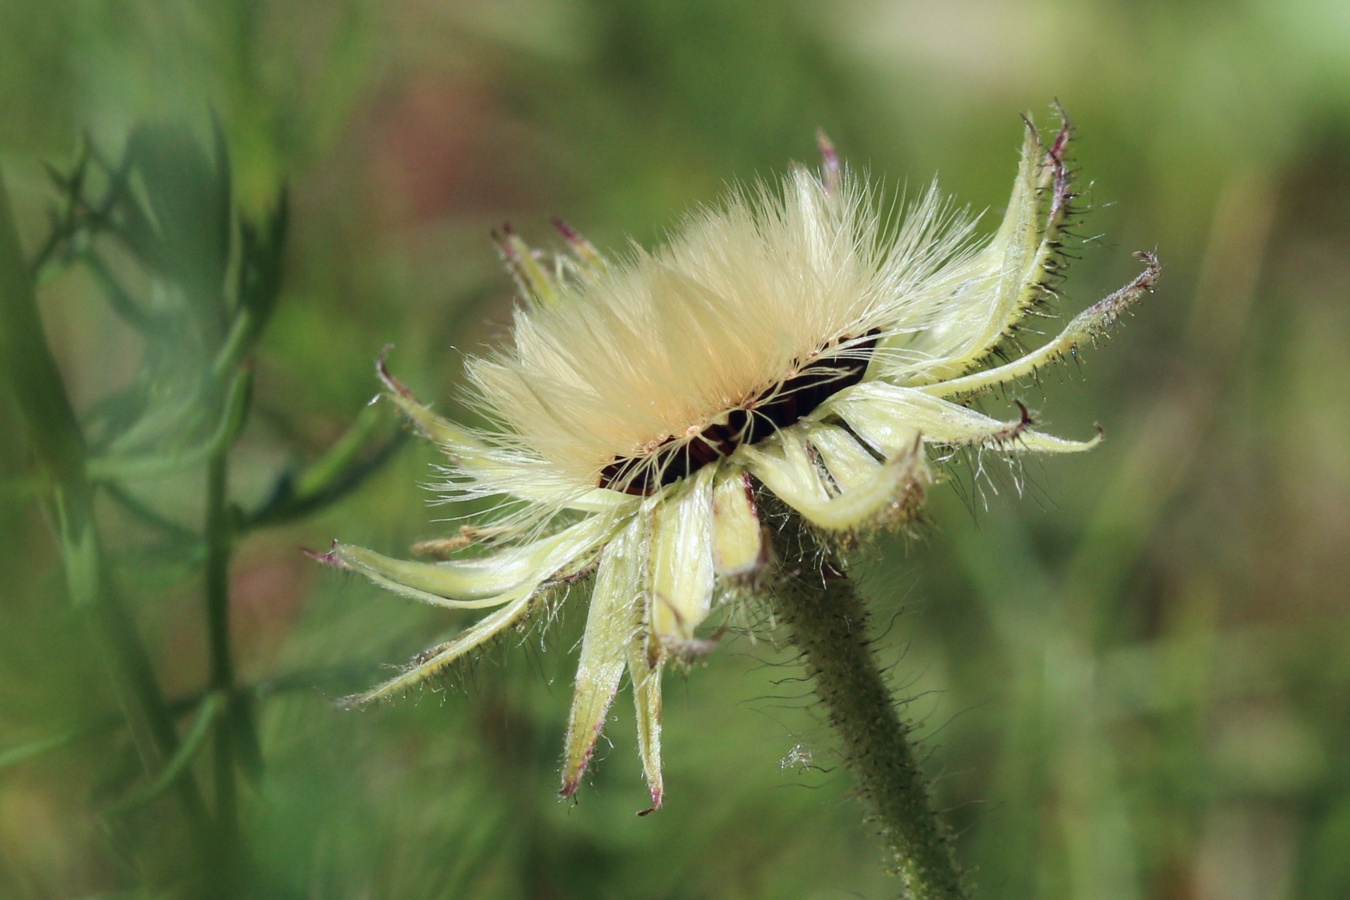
{"x":219,"y":544}
{"x":829,"y":624}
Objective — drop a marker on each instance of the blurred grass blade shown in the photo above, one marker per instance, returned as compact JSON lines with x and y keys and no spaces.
{"x":180,"y":214}
{"x":234,"y":411}
{"x":339,"y":471}
{"x":258,"y":287}
{"x":31,"y":750}
{"x":71,"y":187}
{"x":177,"y":765}
{"x":243,"y":728}
{"x":262,"y":257}
{"x":223,"y":183}
{"x":119,"y":300}
{"x":34,"y":382}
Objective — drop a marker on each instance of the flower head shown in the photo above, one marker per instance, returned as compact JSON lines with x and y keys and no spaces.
{"x":791,"y":342}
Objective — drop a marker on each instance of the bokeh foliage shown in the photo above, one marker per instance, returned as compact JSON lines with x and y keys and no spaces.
{"x":1134,"y":676}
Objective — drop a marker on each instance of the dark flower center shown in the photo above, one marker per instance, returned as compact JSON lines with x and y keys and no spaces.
{"x":752,"y":421}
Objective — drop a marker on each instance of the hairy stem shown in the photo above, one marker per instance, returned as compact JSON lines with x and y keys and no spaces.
{"x":829,"y":624}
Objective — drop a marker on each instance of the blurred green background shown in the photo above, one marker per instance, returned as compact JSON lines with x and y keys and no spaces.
{"x":1133,"y":679}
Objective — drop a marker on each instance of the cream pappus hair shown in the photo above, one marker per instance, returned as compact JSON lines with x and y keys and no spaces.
{"x":790,"y":342}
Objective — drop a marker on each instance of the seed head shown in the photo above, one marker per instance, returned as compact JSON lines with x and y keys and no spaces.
{"x":792,"y":342}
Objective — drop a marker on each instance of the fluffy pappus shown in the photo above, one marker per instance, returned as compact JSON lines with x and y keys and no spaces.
{"x":793,"y":350}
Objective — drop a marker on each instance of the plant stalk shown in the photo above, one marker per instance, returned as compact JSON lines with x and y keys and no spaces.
{"x":219,"y":539}
{"x":829,"y":624}
{"x":59,"y":456}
